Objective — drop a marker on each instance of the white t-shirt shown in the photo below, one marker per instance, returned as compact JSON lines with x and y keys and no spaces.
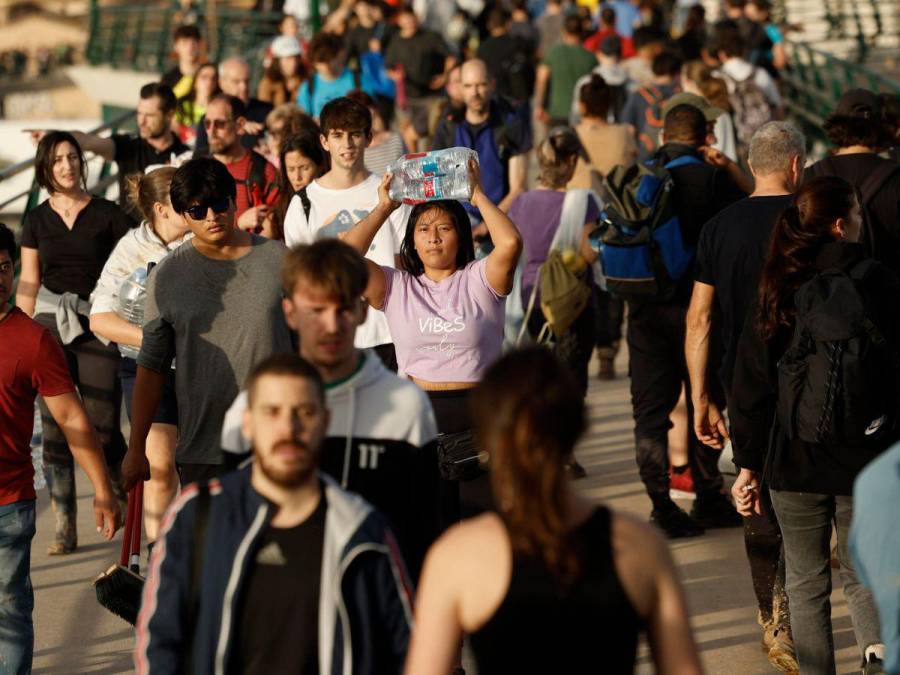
{"x":333,"y":212}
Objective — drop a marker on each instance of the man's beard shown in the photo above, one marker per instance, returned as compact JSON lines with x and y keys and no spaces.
{"x":294,"y":477}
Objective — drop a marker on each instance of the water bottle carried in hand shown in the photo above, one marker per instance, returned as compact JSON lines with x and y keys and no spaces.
{"x":425,"y":177}
{"x":132,"y":296}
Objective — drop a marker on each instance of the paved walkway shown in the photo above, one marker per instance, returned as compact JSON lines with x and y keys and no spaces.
{"x":73,"y":634}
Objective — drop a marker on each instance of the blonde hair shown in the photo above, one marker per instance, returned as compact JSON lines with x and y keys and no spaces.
{"x":146,"y":189}
{"x":555,"y":156}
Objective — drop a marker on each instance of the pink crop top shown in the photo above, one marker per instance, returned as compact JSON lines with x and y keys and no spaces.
{"x":448,"y":331}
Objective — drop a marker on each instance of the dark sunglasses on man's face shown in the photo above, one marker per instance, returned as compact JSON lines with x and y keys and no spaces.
{"x":199,"y":212}
{"x":218,"y":124}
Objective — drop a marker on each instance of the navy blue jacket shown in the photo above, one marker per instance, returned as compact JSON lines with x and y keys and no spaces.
{"x":365,"y":602}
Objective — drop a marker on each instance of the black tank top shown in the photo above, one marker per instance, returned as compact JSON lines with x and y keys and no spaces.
{"x":540,"y":627}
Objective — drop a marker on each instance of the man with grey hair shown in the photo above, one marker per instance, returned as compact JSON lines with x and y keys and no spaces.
{"x":234,"y":80}
{"x":730,"y":257}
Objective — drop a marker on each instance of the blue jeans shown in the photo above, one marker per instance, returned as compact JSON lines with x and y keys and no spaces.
{"x":16,"y":595}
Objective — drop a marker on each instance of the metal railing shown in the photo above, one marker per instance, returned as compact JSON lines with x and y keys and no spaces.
{"x":816,"y":80}
{"x":104,"y":180}
{"x":138,"y":36}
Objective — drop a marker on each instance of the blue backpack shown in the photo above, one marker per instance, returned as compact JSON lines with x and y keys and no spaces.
{"x":642,"y":249}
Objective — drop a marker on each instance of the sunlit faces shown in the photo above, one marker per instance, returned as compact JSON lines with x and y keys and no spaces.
{"x":476,"y":86}
{"x":286,"y":422}
{"x":206,"y":81}
{"x":66,"y":166}
{"x":301,"y":170}
{"x":436,"y":240}
{"x":234,"y":79}
{"x":325,"y":323}
{"x":216,"y":222}
{"x":152,"y":122}
{"x":222,"y":128}
{"x":347,"y":148}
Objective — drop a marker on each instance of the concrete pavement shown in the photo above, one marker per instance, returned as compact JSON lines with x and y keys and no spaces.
{"x":73,"y":634}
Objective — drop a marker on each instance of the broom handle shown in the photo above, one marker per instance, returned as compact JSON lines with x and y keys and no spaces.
{"x":136,"y":520}
{"x":126,"y":535}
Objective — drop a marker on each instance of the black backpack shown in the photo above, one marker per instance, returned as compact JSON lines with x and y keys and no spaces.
{"x":837,"y":379}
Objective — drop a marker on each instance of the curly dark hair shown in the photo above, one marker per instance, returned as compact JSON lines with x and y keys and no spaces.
{"x":847,"y":130}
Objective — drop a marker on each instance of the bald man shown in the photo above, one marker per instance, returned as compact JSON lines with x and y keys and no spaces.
{"x":497,"y":129}
{"x":234,"y":80}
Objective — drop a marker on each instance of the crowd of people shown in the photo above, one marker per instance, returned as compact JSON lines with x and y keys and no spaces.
{"x":336,"y":398}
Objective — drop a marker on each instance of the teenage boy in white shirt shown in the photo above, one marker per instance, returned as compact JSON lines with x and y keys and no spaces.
{"x":335,"y":202}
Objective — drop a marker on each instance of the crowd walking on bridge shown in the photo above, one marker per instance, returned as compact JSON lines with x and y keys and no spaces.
{"x":355,"y":418}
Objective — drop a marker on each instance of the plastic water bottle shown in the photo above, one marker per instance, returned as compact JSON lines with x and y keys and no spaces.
{"x":424,"y":177}
{"x":132,"y":296}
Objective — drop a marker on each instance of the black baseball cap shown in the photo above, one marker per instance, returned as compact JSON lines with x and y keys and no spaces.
{"x":859,"y":103}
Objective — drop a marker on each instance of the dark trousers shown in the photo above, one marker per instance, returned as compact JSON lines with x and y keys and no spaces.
{"x":459,"y":499}
{"x":192,"y":473}
{"x":575,"y":346}
{"x":610,"y":316}
{"x":94,"y":368}
{"x":658,"y":370}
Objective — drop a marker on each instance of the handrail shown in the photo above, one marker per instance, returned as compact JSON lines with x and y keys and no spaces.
{"x":26,"y":164}
{"x":816,"y":79}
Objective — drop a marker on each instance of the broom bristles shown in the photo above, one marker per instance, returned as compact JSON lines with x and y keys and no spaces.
{"x":119,"y":590}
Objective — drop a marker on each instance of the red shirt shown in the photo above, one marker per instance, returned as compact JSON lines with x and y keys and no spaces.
{"x":256,"y":195}
{"x":592,"y":44}
{"x":31,"y":363}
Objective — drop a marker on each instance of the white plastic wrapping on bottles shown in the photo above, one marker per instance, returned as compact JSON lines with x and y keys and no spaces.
{"x":132,"y":296}
{"x":425,"y":177}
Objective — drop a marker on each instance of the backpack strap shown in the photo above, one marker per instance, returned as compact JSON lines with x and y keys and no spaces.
{"x":304,"y":200}
{"x":876,"y":180}
{"x":684,"y":160}
{"x":198,"y":550}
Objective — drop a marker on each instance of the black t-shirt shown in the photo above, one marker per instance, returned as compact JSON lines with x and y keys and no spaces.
{"x":700,"y":191}
{"x":71,"y":260}
{"x":422,"y":57}
{"x":358,"y":38}
{"x":882,"y":211}
{"x":510,"y":63}
{"x":134,"y":154}
{"x":730,"y":257}
{"x":278,"y":624}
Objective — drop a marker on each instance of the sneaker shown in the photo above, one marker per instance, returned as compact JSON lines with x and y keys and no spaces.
{"x":681,"y":485}
{"x":872,"y":665}
{"x":713,"y":511}
{"x":674,"y":522}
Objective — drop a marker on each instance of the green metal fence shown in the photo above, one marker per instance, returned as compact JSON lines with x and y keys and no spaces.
{"x":138,"y":36}
{"x":816,"y":79}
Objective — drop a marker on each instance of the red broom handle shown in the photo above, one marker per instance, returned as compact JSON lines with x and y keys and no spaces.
{"x":137,"y":517}
{"x":126,"y":535}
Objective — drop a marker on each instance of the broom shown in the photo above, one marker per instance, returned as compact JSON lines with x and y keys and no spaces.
{"x":119,"y":588}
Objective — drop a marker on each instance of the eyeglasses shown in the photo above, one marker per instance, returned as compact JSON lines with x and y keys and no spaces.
{"x":199,"y":212}
{"x":218,"y":124}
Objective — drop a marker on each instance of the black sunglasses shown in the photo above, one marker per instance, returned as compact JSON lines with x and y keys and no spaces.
{"x":199,"y":212}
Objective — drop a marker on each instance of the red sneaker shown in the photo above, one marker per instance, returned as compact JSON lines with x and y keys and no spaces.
{"x":681,"y":485}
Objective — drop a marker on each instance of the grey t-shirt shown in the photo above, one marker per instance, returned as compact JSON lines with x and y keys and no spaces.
{"x":218,"y":319}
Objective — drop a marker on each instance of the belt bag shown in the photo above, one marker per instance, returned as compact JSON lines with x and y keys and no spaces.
{"x":458,"y":456}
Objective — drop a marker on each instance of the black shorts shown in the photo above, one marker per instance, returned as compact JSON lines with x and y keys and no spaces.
{"x":167,"y":412}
